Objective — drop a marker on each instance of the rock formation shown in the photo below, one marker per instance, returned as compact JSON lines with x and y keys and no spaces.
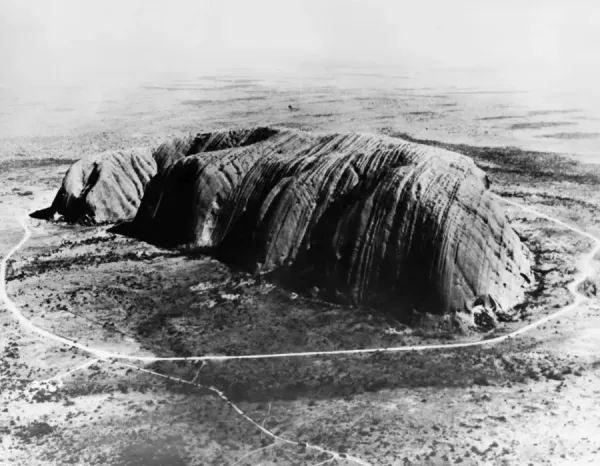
{"x":373,"y":219}
{"x":104,"y":188}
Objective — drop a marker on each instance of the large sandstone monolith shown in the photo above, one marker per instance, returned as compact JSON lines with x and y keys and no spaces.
{"x":373,"y":219}
{"x":379,"y":220}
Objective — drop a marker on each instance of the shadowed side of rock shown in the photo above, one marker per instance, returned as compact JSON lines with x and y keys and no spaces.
{"x":195,"y":179}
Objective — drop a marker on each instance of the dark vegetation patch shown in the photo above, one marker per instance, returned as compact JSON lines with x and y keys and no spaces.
{"x":33,"y":431}
{"x":514,"y":165}
{"x":552,"y":273}
{"x":572,"y":135}
{"x":500,"y":117}
{"x":334,"y":100}
{"x":421,"y":113}
{"x":347,"y":376}
{"x":20,"y":192}
{"x":539,"y":124}
{"x":237,"y":85}
{"x":427,"y":96}
{"x":551,"y":199}
{"x":157,"y":453}
{"x":323,"y":115}
{"x":15,"y":164}
{"x":367,"y":98}
{"x":113,"y":253}
{"x":553,"y":111}
{"x":589,"y":288}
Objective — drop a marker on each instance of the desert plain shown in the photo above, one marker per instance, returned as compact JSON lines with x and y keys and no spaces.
{"x":531,"y":399}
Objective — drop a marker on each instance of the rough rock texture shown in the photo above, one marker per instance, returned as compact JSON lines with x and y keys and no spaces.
{"x":378,"y":220}
{"x":106,"y":187}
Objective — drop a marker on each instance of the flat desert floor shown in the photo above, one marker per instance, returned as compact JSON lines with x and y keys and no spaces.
{"x":528,"y":400}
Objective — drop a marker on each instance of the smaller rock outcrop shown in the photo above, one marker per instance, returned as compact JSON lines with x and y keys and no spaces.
{"x":103,"y":188}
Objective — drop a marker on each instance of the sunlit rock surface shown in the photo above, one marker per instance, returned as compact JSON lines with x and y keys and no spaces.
{"x":377,"y":220}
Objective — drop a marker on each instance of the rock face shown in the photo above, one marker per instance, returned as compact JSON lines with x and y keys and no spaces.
{"x":378,"y":220}
{"x":104,"y":188}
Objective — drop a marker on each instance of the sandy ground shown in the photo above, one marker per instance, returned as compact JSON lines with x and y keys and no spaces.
{"x":528,"y":401}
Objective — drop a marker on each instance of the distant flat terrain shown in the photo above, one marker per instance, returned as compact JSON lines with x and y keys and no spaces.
{"x":440,"y":104}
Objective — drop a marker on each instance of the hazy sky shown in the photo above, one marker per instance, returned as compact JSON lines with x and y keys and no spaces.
{"x":70,"y":40}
